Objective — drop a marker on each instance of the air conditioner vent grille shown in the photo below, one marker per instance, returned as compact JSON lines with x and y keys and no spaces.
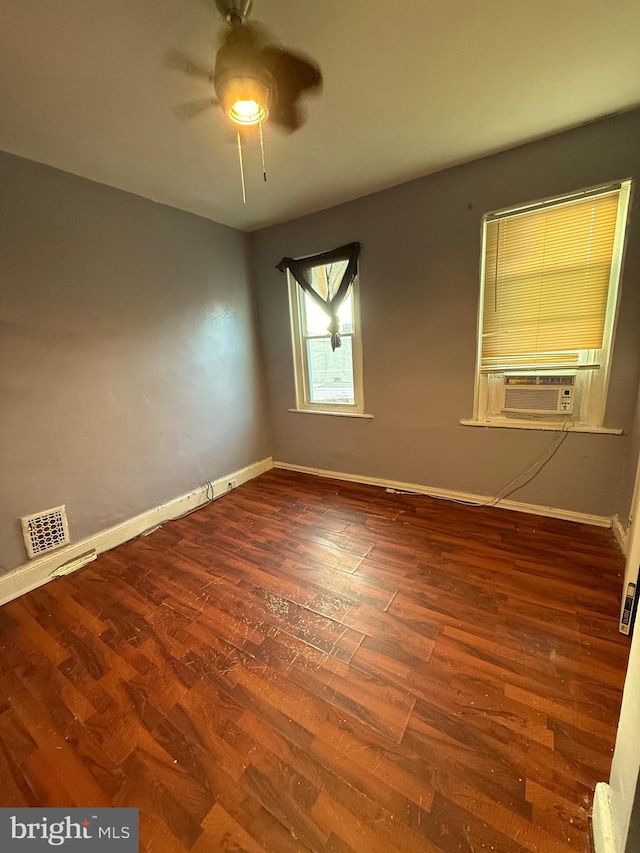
{"x":540,"y":379}
{"x":538,"y":395}
{"x":539,"y":399}
{"x":45,"y":531}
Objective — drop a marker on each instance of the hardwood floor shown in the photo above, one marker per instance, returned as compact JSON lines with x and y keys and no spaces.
{"x":314,"y":665}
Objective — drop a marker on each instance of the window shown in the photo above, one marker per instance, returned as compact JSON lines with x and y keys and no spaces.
{"x":549,"y":286}
{"x":326,"y":380}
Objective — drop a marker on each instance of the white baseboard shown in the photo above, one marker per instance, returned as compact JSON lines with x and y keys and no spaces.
{"x":37,"y":572}
{"x":602,"y":821}
{"x":620,"y":532}
{"x":451,"y":495}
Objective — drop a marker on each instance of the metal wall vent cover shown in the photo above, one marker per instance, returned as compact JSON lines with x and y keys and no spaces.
{"x":45,"y":531}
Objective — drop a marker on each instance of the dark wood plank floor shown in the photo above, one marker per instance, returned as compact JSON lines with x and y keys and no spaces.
{"x":314,"y":665}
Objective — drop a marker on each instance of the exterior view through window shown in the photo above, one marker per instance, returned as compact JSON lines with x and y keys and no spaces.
{"x":326,"y":380}
{"x":330,"y":373}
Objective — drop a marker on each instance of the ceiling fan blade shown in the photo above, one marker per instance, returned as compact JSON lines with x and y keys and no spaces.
{"x":287,"y":117}
{"x":243,"y":42}
{"x":194,"y":108}
{"x":295,"y":76}
{"x":182,"y":62}
{"x":293,"y":70}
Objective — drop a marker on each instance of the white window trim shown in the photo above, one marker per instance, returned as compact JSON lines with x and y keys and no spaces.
{"x":300,"y":367}
{"x":553,"y":426}
{"x":595,"y":384}
{"x":333,"y":414}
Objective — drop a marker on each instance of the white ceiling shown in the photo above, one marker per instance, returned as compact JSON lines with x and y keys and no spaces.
{"x":410,"y":87}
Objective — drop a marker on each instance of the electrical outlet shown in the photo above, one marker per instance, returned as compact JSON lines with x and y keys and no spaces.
{"x":231,"y":485}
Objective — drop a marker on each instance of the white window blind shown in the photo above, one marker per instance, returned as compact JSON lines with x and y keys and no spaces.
{"x":546,"y":282}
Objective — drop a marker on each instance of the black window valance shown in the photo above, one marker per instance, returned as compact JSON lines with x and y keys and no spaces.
{"x":340,"y":267}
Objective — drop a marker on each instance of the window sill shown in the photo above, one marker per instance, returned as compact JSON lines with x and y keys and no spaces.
{"x":557,"y":427}
{"x":327,"y":412}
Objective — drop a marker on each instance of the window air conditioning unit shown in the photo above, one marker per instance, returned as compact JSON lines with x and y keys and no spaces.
{"x":538,"y":394}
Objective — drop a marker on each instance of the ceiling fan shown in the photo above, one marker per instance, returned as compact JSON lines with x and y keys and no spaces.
{"x":255,"y":80}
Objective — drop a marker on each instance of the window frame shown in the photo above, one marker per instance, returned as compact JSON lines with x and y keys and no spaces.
{"x":592,"y":384}
{"x":300,"y":357}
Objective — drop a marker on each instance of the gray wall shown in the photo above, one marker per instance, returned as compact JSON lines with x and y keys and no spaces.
{"x":129,"y":372}
{"x":419,"y":277}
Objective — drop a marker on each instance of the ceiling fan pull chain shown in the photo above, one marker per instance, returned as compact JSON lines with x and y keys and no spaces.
{"x":264,"y":168}
{"x":244,"y":193}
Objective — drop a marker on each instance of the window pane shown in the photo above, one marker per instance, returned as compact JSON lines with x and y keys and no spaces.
{"x":330,"y":373}
{"x":345,"y":315}
{"x":316,"y":321}
{"x":326,"y":278}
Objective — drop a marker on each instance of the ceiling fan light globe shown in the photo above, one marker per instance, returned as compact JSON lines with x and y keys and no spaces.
{"x":246,"y":100}
{"x":247,"y":112}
